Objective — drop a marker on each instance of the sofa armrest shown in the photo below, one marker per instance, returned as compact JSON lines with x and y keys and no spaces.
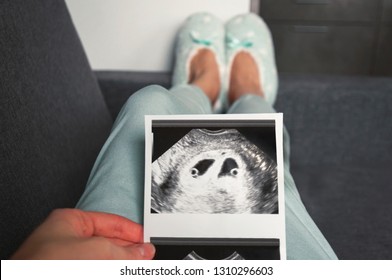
{"x":118,"y":86}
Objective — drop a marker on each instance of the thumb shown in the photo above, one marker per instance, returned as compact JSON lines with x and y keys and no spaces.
{"x":145,"y":251}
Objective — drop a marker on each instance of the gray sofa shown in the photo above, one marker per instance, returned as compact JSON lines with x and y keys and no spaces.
{"x":55,"y":114}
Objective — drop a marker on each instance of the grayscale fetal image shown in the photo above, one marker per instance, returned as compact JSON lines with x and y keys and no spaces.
{"x":214,"y":171}
{"x":216,"y":248}
{"x":195,"y":256}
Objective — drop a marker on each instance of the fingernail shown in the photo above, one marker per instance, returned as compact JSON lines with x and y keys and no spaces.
{"x":141,"y":250}
{"x":146,"y":250}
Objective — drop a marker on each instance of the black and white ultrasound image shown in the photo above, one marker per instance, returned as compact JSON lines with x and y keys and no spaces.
{"x":212,"y":171}
{"x":217,"y":252}
{"x":216,"y":249}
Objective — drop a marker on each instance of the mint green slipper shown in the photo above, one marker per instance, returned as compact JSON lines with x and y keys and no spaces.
{"x":200,"y":30}
{"x":249,"y":33}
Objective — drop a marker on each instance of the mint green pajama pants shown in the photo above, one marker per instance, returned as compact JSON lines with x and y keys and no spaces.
{"x":116,"y":183}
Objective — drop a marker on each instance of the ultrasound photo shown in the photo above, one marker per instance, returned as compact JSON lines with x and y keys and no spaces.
{"x":214,"y":171}
{"x":201,"y":165}
{"x":216,"y":249}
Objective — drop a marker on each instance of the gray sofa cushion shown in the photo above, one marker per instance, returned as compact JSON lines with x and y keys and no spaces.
{"x":341,"y":133}
{"x":341,"y":136}
{"x":53,"y":117}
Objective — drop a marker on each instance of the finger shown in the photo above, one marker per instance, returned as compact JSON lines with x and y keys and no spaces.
{"x":121,"y":242}
{"x":85,"y":224}
{"x":103,"y":248}
{"x":112,"y":251}
{"x":144,"y":251}
{"x":113,"y":226}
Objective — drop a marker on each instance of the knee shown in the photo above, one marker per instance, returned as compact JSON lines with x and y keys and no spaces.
{"x":148,"y":95}
{"x":152,"y":99}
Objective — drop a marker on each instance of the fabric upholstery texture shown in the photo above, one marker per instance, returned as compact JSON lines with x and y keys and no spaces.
{"x":53,"y":118}
{"x":341,"y":140}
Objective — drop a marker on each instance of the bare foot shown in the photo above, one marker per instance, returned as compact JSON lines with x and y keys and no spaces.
{"x":204,"y":73}
{"x":244,"y":77}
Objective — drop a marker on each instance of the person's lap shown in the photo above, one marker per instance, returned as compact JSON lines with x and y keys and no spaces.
{"x":116,"y":183}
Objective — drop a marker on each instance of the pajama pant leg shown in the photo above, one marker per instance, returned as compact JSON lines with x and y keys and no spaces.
{"x":116,"y":182}
{"x":304,"y":239}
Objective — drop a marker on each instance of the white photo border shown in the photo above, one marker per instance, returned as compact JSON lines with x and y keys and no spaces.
{"x":224,"y":225}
